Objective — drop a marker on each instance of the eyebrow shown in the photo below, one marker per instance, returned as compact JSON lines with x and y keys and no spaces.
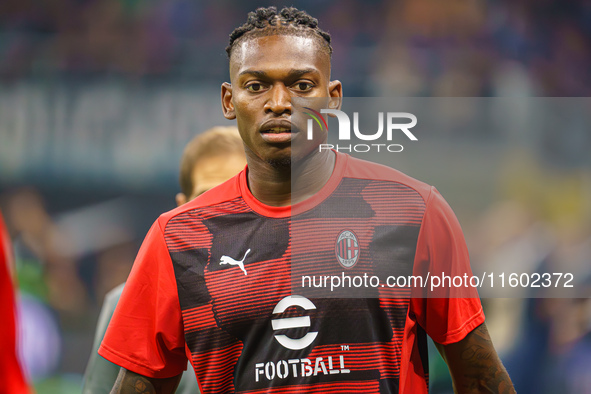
{"x":293,"y":73}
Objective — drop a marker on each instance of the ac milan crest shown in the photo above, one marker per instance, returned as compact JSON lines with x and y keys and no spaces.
{"x":347,"y":249}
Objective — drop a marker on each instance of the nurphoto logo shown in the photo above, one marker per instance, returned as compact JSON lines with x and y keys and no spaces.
{"x":396,"y":122}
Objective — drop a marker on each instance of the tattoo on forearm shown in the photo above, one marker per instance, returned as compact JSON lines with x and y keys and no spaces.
{"x":141,"y":386}
{"x":129,"y":382}
{"x":483,"y":369}
{"x":475,"y":352}
{"x":132,"y":383}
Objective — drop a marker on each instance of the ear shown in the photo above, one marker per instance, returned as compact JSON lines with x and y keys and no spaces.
{"x":180,"y":199}
{"x":335,"y":91}
{"x":227,"y":105}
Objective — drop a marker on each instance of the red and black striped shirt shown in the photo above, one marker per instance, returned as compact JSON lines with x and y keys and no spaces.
{"x":236,"y":287}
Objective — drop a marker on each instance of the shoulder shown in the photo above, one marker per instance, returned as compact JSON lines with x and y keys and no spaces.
{"x":363,"y":169}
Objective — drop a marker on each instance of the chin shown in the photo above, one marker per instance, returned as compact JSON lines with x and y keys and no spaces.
{"x":280,"y":162}
{"x":295,"y":157}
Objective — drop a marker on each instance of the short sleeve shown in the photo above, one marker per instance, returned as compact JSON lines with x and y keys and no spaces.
{"x":146,"y":334}
{"x":451,"y":311}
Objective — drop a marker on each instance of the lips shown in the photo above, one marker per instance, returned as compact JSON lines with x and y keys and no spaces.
{"x":276,"y":131}
{"x":276,"y":126}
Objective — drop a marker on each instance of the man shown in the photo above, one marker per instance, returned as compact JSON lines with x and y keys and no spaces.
{"x":209,"y":159}
{"x":12,"y":379}
{"x":212,"y":281}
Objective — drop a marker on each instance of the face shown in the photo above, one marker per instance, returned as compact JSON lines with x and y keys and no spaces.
{"x":266,"y":73}
{"x":210,"y":172}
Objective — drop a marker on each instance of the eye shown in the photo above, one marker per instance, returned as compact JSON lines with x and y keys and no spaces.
{"x":303,"y":86}
{"x":255,"y":87}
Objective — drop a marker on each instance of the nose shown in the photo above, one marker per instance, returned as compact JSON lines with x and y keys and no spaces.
{"x":279,"y":101}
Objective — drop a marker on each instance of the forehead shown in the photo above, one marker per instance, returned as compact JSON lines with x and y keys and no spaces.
{"x":277,"y":53}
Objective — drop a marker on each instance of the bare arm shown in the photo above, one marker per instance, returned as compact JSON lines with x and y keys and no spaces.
{"x":474,"y":364}
{"x":132,"y":383}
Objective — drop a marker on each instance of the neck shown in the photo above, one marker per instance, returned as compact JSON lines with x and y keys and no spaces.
{"x":287,"y":185}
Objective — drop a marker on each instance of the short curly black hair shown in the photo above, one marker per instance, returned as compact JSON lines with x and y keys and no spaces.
{"x":263,"y":22}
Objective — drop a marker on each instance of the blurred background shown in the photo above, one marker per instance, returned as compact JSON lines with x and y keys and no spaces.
{"x":99,"y":97}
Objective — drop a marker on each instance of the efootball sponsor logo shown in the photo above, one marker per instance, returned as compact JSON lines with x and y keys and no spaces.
{"x":392,"y":124}
{"x":297,"y":367}
{"x":300,"y":367}
{"x":293,"y":322}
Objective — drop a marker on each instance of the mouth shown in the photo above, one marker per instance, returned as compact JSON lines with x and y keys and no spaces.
{"x":277,"y":131}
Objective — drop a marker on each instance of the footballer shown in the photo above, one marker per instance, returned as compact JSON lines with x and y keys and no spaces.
{"x":212,"y":282}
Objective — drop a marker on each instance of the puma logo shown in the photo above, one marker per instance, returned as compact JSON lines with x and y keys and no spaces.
{"x":231,"y":261}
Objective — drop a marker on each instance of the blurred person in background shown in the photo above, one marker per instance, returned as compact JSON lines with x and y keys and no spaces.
{"x":51,"y":294}
{"x":12,"y":380}
{"x":47,"y":271}
{"x":208,"y":160}
{"x":541,"y":225}
{"x":568,"y":349}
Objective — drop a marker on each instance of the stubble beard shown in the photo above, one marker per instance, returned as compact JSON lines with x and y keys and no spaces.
{"x":280,"y":163}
